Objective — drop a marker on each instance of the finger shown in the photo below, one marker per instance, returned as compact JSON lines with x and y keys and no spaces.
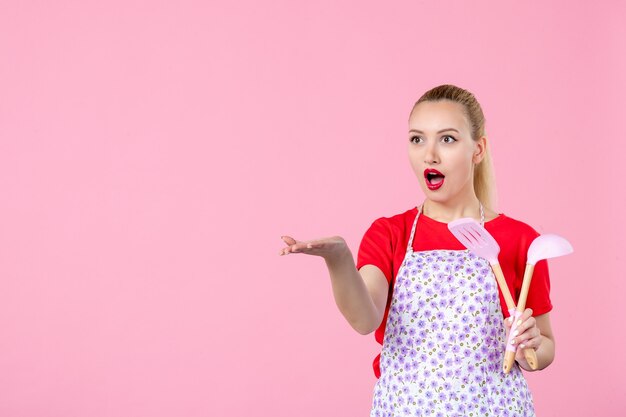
{"x":526,"y":324}
{"x":531,"y":333}
{"x":509,"y":323}
{"x":528,"y":334}
{"x":520,"y":333}
{"x":289,"y":240}
{"x":533,"y":343}
{"x":291,"y":248}
{"x":300,"y":246}
{"x":527,"y":314}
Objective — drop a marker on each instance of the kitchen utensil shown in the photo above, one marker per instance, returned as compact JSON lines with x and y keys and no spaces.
{"x":478,"y":240}
{"x":543,"y":247}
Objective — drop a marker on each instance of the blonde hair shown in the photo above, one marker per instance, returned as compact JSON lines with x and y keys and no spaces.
{"x":484,"y":177}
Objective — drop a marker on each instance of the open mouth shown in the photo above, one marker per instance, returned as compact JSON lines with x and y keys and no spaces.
{"x":434,"y":178}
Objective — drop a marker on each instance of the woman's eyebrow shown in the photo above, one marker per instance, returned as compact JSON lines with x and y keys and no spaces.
{"x":443,"y":130}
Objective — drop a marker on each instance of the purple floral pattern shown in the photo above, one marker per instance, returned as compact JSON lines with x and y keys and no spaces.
{"x":444,"y":343}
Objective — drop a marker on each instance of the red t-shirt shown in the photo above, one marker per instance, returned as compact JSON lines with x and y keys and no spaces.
{"x":385,"y":242}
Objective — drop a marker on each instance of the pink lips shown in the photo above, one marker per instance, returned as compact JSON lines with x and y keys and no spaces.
{"x":428,"y":175}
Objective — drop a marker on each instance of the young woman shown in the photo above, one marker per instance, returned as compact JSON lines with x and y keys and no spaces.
{"x":435,"y":307}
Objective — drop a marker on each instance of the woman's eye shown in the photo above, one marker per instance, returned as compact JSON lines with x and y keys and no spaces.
{"x":415,"y":139}
{"x":448,"y":141}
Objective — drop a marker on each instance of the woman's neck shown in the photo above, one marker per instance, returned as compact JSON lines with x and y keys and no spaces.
{"x":447,"y":213}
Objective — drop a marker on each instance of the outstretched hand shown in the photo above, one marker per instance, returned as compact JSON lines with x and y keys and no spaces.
{"x":328,"y":248}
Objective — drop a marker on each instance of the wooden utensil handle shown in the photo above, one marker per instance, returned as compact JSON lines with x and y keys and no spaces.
{"x":531,"y":357}
{"x":528,"y":276}
{"x":529,"y":353}
{"x":503,"y":286}
{"x":509,"y":358}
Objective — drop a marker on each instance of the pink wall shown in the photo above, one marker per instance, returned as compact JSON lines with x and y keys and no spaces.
{"x":153,"y":153}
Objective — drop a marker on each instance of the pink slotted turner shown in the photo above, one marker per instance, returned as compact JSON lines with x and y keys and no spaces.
{"x":480,"y":242}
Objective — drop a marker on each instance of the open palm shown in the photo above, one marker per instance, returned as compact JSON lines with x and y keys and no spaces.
{"x":328,"y":247}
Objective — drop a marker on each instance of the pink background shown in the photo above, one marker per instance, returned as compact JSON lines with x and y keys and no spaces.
{"x":152,"y":154}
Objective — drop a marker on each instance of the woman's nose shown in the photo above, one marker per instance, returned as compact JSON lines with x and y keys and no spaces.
{"x":431,"y":156}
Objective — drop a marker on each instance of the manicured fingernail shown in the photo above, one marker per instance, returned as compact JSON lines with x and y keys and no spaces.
{"x":308,"y":245}
{"x":522,"y":346}
{"x":516,"y":332}
{"x":512,"y":341}
{"x":519,"y":322}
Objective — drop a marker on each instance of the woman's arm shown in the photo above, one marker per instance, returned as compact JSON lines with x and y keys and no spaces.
{"x":360,"y":296}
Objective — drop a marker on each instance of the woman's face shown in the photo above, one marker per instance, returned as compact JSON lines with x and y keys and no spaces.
{"x":442,"y":152}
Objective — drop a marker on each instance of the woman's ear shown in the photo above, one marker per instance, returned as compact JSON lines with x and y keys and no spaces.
{"x":479,"y":151}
